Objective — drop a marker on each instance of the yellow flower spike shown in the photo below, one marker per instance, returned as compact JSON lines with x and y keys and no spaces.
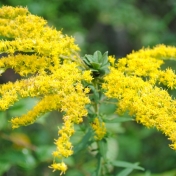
{"x":74,"y":106}
{"x":99,"y":129}
{"x":64,"y":146}
{"x":48,"y":103}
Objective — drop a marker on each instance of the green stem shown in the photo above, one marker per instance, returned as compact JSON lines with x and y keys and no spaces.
{"x":96,"y":109}
{"x":98,"y":173}
{"x":96,"y":103}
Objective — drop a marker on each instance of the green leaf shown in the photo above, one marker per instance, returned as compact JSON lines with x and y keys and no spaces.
{"x":126,"y":164}
{"x":44,"y":152}
{"x":97,"y":56}
{"x":96,"y":95}
{"x":4,"y":166}
{"x":126,"y":171}
{"x":24,"y":159}
{"x":94,"y":70}
{"x":86,"y":61}
{"x":21,"y":107}
{"x":118,"y":120}
{"x":104,"y":70}
{"x":4,"y":120}
{"x":29,"y":161}
{"x":95,"y":65}
{"x":104,"y":59}
{"x":105,"y":67}
{"x":12,"y":157}
{"x":89,"y":58}
{"x":74,"y":172}
{"x":103,"y":147}
{"x":83,"y":143}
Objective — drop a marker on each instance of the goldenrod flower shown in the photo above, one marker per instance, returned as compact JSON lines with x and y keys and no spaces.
{"x":59,"y":166}
{"x":50,"y":70}
{"x":111,"y":59}
{"x":147,"y":63}
{"x":135,"y":80}
{"x":99,"y":129}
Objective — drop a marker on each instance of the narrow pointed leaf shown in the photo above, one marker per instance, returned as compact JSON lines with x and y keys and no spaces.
{"x":86,"y":62}
{"x":104,"y":58}
{"x":125,"y":172}
{"x":118,"y":120}
{"x":126,"y":164}
{"x":89,"y":57}
{"x":83,"y":143}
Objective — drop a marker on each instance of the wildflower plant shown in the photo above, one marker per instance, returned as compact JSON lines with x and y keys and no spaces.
{"x":52,"y":71}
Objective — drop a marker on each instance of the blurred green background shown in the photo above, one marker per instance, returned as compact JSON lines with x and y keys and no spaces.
{"x":116,"y":26}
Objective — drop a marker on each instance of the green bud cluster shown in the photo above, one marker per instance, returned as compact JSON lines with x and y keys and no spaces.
{"x":97,"y":63}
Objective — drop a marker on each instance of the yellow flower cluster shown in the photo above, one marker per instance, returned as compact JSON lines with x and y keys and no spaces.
{"x":99,"y":129}
{"x":59,"y":166}
{"x":147,"y":63}
{"x":135,"y":83}
{"x":32,"y":34}
{"x":49,"y":67}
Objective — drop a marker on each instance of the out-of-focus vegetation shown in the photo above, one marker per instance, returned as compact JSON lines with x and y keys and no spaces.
{"x":116,"y":26}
